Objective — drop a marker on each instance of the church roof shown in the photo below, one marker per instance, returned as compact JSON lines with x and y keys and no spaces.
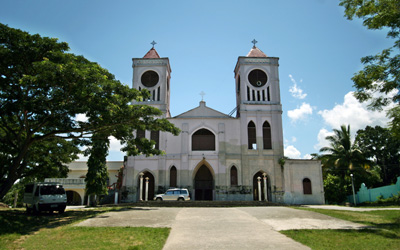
{"x":256,"y":52}
{"x":202,"y":111}
{"x":152,"y":53}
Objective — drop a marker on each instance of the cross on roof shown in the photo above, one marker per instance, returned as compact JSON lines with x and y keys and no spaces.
{"x":153,"y":43}
{"x":202,"y":95}
{"x":254,"y":42}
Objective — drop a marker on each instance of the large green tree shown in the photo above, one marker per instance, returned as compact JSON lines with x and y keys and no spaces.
{"x":342,"y":155}
{"x":378,"y":144}
{"x":340,"y":159}
{"x":42,"y":90}
{"x":381,"y":72}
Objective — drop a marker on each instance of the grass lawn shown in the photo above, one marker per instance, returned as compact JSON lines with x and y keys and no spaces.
{"x":384,"y":234}
{"x":56,"y":231}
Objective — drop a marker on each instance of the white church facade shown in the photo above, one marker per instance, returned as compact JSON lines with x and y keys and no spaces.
{"x":217,"y":156}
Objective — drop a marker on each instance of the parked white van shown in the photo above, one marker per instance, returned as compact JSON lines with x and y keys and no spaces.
{"x":45,"y":196}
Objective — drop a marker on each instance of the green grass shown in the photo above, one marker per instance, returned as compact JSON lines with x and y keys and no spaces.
{"x":56,"y":231}
{"x":98,"y":238}
{"x":383,"y":234}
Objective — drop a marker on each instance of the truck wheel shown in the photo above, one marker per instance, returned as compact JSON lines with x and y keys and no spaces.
{"x":61,"y":211}
{"x":158,"y":199}
{"x":180,"y":199}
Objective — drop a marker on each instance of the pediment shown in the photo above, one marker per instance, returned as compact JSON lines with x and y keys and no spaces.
{"x":202,"y":111}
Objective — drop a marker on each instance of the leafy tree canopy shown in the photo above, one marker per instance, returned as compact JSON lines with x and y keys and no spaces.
{"x":384,"y":67}
{"x":42,"y":90}
{"x":378,"y":144}
{"x":381,"y":72}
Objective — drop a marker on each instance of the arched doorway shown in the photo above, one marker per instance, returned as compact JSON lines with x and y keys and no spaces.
{"x":203,"y":184}
{"x":151,"y":186}
{"x":255,"y":186}
{"x":73,"y":198}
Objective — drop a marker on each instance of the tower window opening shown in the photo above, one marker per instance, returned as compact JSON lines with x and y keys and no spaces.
{"x":248,"y":94}
{"x":158,"y":94}
{"x":258,"y":95}
{"x":268,"y":96}
{"x":263,"y":95}
{"x":251,"y":134}
{"x":254,"y":95}
{"x":267,"y":140}
{"x":155,"y":136}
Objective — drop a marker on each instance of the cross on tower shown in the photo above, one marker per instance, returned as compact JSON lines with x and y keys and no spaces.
{"x":153,"y":43}
{"x":254,"y":42}
{"x":202,"y":95}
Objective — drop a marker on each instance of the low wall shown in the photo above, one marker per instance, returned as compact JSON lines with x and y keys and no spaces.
{"x":364,"y":194}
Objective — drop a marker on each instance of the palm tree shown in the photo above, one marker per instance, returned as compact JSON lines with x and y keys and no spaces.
{"x":343,"y":155}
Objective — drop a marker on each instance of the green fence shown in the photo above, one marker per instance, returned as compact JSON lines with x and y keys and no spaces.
{"x":364,"y":194}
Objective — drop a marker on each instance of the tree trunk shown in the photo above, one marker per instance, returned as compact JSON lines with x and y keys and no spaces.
{"x":6,"y":185}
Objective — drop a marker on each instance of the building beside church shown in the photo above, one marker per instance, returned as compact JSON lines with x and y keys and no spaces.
{"x":218,"y":156}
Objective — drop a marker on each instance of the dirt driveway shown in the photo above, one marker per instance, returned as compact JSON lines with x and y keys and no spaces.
{"x":223,"y":228}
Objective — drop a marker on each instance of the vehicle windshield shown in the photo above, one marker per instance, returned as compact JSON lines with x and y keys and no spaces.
{"x":50,"y":190}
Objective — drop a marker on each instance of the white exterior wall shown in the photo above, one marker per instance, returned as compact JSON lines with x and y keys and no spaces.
{"x":295,"y":171}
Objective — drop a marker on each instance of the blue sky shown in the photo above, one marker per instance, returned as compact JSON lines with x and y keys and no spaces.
{"x":319,"y":52}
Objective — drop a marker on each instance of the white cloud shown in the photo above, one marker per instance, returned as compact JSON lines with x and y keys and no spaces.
{"x":81,"y":118}
{"x":307,"y":157}
{"x":115,"y":144}
{"x":292,"y":152}
{"x":300,"y":113}
{"x":294,"y":139}
{"x":295,"y":90}
{"x":354,"y":113}
{"x":322,"y":134}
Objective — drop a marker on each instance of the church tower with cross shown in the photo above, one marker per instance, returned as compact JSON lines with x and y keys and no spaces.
{"x":153,"y":73}
{"x":221,"y":156}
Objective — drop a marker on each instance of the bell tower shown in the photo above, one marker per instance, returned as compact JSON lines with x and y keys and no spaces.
{"x":258,"y":101}
{"x":153,"y":73}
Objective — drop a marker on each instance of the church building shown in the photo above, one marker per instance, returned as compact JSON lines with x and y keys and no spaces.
{"x":218,"y":156}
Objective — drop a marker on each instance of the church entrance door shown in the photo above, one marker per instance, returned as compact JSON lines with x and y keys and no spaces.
{"x":255,"y":187}
{"x":151,"y":186}
{"x":203,"y":184}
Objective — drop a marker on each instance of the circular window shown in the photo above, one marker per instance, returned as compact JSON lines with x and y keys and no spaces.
{"x":150,"y":78}
{"x":258,"y":78}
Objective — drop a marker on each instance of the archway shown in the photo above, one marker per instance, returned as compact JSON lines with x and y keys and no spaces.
{"x":203,"y":184}
{"x":255,"y":186}
{"x":151,"y":186}
{"x":73,"y":198}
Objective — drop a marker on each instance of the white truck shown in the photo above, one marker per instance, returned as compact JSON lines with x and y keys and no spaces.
{"x":45,"y":196}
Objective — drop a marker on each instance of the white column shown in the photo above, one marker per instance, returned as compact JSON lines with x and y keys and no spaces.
{"x":116,"y":197}
{"x":147,"y":189}
{"x":259,"y":187}
{"x":141,"y":187}
{"x":265,"y":187}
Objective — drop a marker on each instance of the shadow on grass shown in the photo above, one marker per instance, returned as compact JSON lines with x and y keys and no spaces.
{"x":17,"y":221}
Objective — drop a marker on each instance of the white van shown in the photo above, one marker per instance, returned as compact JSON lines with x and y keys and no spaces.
{"x":45,"y":196}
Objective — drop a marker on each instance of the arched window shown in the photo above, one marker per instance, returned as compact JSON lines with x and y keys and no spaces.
{"x":155,"y":136}
{"x":307,"y":186}
{"x":251,"y":134}
{"x":234,"y":176}
{"x":203,"y":140}
{"x":172,"y":177}
{"x":267,"y":136}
